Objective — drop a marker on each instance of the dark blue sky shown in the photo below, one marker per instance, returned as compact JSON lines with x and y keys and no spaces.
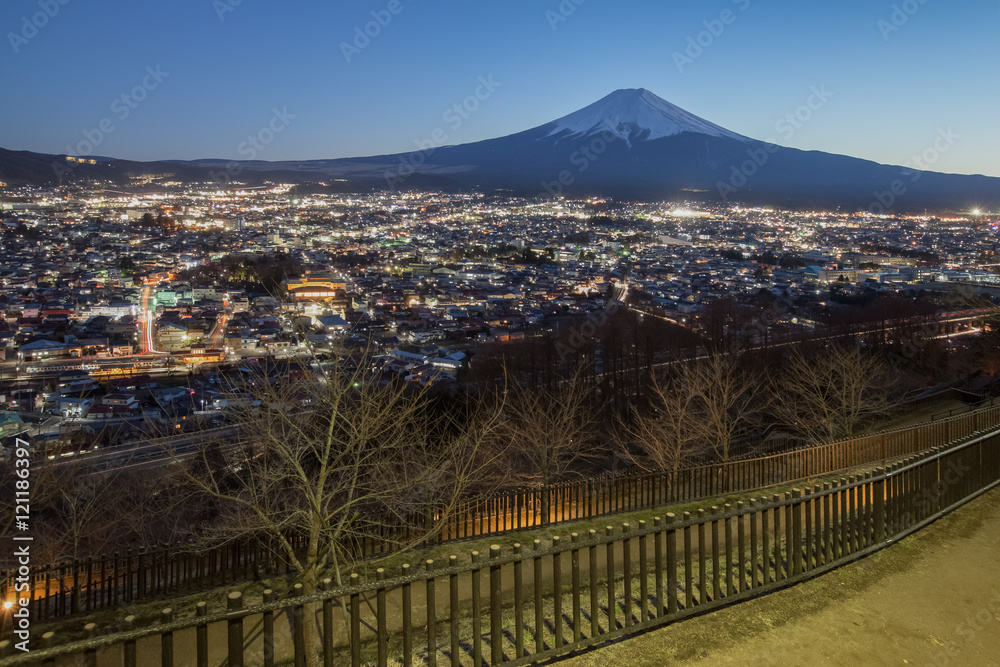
{"x":894,"y":84}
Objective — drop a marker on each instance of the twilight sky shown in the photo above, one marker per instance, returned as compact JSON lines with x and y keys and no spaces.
{"x":192,"y":79}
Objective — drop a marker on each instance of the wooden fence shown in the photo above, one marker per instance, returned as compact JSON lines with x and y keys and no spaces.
{"x":520,"y":605}
{"x":77,"y":586}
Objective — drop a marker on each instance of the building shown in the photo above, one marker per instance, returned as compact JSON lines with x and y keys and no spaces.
{"x":315,"y":287}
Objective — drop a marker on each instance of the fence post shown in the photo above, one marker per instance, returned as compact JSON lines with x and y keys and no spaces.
{"x":546,"y":503}
{"x":658,"y":564}
{"x":298,"y":628}
{"x":627,"y":566}
{"x":141,"y":590}
{"x":716,"y":574}
{"x":671,"y":591}
{"x":167,"y":639}
{"x":518,"y":602}
{"x":453,"y":609}
{"x":702,"y":554}
{"x":90,"y":654}
{"x":268,"y":631}
{"x":878,"y":491}
{"x":201,"y":639}
{"x":643,"y":571}
{"x":326,"y":586}
{"x":355,"y":580}
{"x":536,"y":583}
{"x":431,"y":603}
{"x":129,"y":652}
{"x":496,"y":622}
{"x":688,"y":572}
{"x":609,"y":566}
{"x":381,"y":629}
{"x":75,"y":600}
{"x":404,"y":571}
{"x":48,"y":641}
{"x":557,"y":616}
{"x":795,"y":548}
{"x":477,"y":621}
{"x":235,"y":604}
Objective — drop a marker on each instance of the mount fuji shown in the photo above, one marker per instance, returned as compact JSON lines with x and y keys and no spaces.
{"x":638,"y":115}
{"x":630,"y":144}
{"x":633,"y":144}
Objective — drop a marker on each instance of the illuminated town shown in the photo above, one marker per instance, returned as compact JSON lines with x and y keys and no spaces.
{"x":120,"y":308}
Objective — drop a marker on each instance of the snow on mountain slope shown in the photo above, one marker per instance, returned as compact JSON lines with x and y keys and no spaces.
{"x":636,"y":115}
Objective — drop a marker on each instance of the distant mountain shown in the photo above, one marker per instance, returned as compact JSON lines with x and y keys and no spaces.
{"x":635,"y":115}
{"x":631,"y":144}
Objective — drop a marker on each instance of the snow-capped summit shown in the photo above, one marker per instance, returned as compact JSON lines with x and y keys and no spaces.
{"x":635,"y":114}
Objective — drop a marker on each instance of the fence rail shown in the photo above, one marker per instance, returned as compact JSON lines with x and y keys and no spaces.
{"x":70,"y":587}
{"x":518,"y":606}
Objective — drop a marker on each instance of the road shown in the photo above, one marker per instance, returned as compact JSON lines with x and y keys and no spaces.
{"x":219,"y":329}
{"x":160,"y":451}
{"x":957,"y":317}
{"x":146,"y":321}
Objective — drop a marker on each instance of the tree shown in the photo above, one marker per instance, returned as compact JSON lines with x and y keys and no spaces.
{"x":41,"y":478}
{"x":727,"y":392}
{"x":669,"y":431}
{"x":102,"y":507}
{"x":337,"y":460}
{"x":127,"y":266}
{"x":545,"y":432}
{"x":84,"y":508}
{"x":986,"y":347}
{"x":828,"y":393}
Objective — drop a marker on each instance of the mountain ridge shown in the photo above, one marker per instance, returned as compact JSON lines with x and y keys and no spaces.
{"x":630,"y":144}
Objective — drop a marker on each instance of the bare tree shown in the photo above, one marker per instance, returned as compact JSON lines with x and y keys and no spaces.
{"x":828,"y":393}
{"x":82,"y":515}
{"x":336,"y":460}
{"x":728,"y":398}
{"x":546,"y":432}
{"x":83,"y":508}
{"x":40,"y":484}
{"x":667,"y":431}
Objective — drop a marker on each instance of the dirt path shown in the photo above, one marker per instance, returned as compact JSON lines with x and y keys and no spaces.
{"x":933,"y":599}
